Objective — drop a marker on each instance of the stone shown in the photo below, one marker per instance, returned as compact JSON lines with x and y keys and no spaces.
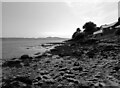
{"x":63,"y":69}
{"x":12,"y":63}
{"x":77,"y":68}
{"x":55,"y":56}
{"x":76,"y":64}
{"x":37,"y":53}
{"x":69,"y":75}
{"x":24,"y":80}
{"x":49,"y":81}
{"x":23,"y":57}
{"x":117,"y":68}
{"x":46,"y":76}
{"x":44,"y":72}
{"x":73,"y":80}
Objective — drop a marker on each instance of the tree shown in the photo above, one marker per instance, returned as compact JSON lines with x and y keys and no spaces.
{"x":89,"y":27}
{"x":76,"y":33}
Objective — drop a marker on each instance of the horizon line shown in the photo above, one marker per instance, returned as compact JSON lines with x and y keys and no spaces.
{"x":33,"y":37}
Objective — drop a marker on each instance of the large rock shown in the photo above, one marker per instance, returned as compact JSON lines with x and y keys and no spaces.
{"x":12,"y":63}
{"x":23,"y":57}
{"x":17,"y":82}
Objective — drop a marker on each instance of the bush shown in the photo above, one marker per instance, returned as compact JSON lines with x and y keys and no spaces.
{"x":79,"y":36}
{"x":89,"y":27}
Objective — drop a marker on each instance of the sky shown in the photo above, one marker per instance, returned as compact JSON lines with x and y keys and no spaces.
{"x":54,"y":19}
{"x":119,"y":8}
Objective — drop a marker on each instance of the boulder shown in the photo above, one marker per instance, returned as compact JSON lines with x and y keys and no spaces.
{"x":24,"y":57}
{"x":12,"y":63}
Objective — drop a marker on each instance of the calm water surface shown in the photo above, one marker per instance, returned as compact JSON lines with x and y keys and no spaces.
{"x":16,"y":47}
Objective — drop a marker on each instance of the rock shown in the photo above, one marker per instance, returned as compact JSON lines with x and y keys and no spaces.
{"x":14,"y":59}
{"x":38,"y":78}
{"x":99,"y":85}
{"x":49,"y":81}
{"x":40,"y":56}
{"x":60,"y":66}
{"x":117,"y":68}
{"x":117,"y":32}
{"x":59,"y":79}
{"x":60,"y":86}
{"x":21,"y":82}
{"x":56,"y":65}
{"x":25,"y":80}
{"x":37,"y":53}
{"x":91,"y":54}
{"x":73,"y":80}
{"x":23,"y":57}
{"x":55,"y":56}
{"x":39,"y":83}
{"x":12,"y":63}
{"x":47,"y":61}
{"x":69,"y":75}
{"x":80,"y":65}
{"x":69,"y":72}
{"x":46,"y":76}
{"x":76,"y":64}
{"x":48,"y":54}
{"x":63,"y":69}
{"x":62,"y":73}
{"x":27,"y":48}
{"x":77,"y":68}
{"x":44,"y":72}
{"x":109,"y":48}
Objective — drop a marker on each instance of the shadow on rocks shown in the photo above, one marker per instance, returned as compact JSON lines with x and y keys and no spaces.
{"x":23,"y":60}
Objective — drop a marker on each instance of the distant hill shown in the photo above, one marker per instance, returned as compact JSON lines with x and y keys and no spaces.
{"x":55,"y":38}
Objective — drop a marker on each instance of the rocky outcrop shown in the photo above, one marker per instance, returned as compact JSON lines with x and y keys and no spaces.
{"x":93,"y":63}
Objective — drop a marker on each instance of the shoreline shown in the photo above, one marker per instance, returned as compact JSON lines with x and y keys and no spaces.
{"x":34,"y":50}
{"x":16,"y":47}
{"x":73,"y":63}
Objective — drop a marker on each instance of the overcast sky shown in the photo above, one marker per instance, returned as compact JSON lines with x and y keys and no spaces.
{"x":43,"y":19}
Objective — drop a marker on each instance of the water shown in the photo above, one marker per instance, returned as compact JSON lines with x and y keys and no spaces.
{"x":16,"y":47}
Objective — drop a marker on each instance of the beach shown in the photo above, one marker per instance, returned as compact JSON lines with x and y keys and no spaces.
{"x":69,"y":64}
{"x":14,"y":48}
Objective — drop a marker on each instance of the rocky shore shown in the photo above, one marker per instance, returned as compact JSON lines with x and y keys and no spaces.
{"x":90,"y":63}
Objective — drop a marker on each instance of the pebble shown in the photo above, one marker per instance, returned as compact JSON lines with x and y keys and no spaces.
{"x":55,"y":56}
{"x":76,"y":64}
{"x":63,"y":69}
{"x":77,"y":68}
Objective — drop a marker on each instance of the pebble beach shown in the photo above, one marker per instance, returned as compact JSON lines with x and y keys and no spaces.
{"x":92,"y":63}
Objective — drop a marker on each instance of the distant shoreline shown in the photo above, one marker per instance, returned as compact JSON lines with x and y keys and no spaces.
{"x":32,"y":38}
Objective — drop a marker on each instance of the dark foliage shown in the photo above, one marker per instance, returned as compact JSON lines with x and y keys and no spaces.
{"x":89,"y":27}
{"x":79,"y":36}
